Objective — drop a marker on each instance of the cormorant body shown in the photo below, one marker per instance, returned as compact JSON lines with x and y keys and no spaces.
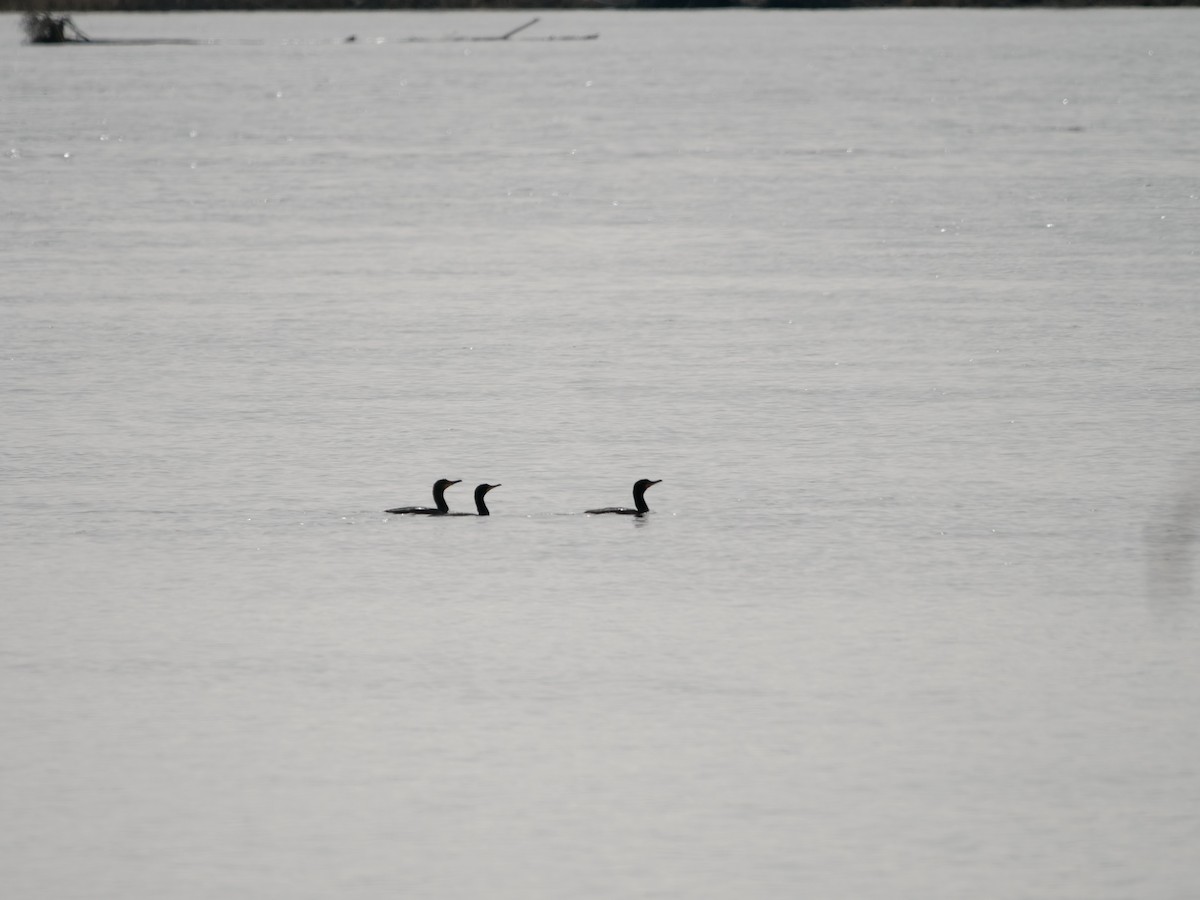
{"x":480,"y":506}
{"x":439,"y":498}
{"x":639,"y":501}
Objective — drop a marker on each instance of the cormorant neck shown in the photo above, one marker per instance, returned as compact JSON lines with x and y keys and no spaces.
{"x":639,"y":499}
{"x":439,"y":497}
{"x":480,"y":506}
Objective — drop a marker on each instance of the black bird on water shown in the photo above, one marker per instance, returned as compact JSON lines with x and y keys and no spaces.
{"x":439,"y":497}
{"x":480,"y":506}
{"x":639,"y":500}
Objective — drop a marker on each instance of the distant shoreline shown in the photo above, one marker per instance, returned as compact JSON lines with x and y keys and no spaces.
{"x":86,"y":6}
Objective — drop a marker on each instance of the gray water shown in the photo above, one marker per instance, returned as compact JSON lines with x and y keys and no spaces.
{"x":900,"y":306}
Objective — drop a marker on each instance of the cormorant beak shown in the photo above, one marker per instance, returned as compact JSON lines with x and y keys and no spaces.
{"x":654,"y":482}
{"x":455,"y":481}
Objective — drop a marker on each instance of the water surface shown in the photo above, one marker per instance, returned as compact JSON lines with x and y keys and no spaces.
{"x":899,"y":305}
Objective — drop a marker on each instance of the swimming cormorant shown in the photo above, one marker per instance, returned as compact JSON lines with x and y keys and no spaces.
{"x":639,"y":500}
{"x":439,"y":497}
{"x":480,"y":506}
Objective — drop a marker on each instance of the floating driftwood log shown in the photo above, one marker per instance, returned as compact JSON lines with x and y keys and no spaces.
{"x":48,"y":28}
{"x":505,"y":37}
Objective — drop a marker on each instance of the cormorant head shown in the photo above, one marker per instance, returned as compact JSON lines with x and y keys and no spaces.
{"x":641,"y":486}
{"x":442,"y":483}
{"x":484,"y":488}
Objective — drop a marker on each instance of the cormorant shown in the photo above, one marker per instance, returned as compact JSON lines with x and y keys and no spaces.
{"x":439,"y":497}
{"x":639,"y":500}
{"x":480,"y":492}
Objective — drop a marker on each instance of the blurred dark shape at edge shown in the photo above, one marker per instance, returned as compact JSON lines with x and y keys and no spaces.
{"x":1170,"y":544}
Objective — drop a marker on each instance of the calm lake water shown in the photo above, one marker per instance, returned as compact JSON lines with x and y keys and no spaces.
{"x":900,"y":306}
